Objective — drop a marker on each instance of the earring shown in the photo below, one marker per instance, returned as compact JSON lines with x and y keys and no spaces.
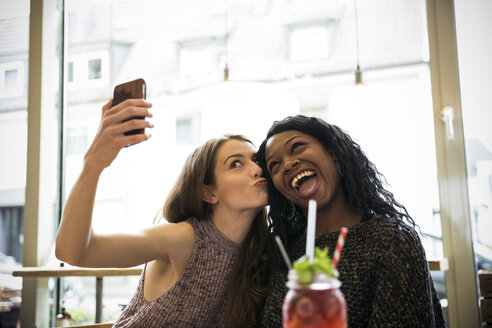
{"x":337,"y":164}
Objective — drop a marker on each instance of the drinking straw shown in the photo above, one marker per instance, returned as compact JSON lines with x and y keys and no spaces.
{"x":283,"y":252}
{"x":338,"y":249}
{"x":311,"y":230}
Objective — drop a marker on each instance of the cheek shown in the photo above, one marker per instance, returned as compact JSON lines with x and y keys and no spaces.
{"x":231,"y":186}
{"x":277,"y":183}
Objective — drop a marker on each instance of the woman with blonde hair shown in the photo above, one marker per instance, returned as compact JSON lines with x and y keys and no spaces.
{"x":207,"y":267}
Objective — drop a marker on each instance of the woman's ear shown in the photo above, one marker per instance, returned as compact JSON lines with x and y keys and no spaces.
{"x":208,"y":195}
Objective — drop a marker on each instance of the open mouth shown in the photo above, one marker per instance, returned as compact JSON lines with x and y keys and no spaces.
{"x":305,"y":183}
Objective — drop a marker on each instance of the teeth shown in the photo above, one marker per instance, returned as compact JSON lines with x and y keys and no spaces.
{"x":295,"y":182}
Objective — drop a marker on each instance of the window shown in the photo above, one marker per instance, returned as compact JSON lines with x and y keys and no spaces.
{"x":311,"y":41}
{"x":14,"y":54}
{"x":11,"y":231}
{"x":70,"y":72}
{"x":88,"y":68}
{"x":181,"y":55}
{"x":94,"y":69}
{"x":184,"y":130}
{"x":76,"y":141}
{"x":12,"y":79}
{"x":188,"y":130}
{"x":200,"y":60}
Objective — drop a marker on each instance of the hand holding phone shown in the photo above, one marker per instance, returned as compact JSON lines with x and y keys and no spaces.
{"x":110,"y":137}
{"x":135,"y":89}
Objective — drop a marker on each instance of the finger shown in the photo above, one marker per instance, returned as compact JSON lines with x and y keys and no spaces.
{"x":136,"y":138}
{"x":130,"y":103}
{"x":107,"y":105}
{"x":128,"y":113}
{"x":133,"y":124}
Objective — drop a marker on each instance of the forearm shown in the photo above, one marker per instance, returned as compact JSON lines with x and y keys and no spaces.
{"x":75,"y":231}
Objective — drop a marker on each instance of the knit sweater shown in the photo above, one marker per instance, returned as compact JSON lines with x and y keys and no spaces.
{"x":198,"y":297}
{"x":384,"y":273}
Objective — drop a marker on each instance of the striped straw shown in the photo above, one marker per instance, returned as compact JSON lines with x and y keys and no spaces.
{"x":338,"y":249}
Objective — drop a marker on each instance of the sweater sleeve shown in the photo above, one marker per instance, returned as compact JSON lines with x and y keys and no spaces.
{"x":404,"y":291}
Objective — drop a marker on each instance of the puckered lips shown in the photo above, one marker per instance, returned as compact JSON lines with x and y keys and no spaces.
{"x":304,"y":182}
{"x":261,"y":182}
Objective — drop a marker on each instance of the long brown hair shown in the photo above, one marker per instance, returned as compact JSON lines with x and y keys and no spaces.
{"x":248,"y":281}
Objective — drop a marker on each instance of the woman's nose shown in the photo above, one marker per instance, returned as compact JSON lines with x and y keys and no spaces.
{"x":289,"y":165}
{"x":257,"y":170}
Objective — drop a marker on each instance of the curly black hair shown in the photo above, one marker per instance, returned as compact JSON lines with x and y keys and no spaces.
{"x":362,"y":183}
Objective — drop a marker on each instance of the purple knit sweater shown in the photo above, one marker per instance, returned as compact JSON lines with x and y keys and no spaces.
{"x":198,"y":298}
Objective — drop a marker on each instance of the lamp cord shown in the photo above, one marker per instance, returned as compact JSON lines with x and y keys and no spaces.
{"x":226,"y":43}
{"x":356,"y":32}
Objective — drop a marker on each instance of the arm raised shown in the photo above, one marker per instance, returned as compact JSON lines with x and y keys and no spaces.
{"x":76,"y":242}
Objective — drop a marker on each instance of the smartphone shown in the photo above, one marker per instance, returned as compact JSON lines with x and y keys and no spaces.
{"x":135,"y":89}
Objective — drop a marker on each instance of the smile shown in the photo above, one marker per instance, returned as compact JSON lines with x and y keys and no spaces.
{"x":305,"y":183}
{"x":298,"y":179}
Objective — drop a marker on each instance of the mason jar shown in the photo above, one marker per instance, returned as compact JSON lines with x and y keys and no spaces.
{"x":319,"y":303}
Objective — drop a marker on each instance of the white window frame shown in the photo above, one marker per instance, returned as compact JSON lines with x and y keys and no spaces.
{"x":461,"y":283}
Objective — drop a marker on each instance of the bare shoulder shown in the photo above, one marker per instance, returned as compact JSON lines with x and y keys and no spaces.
{"x":177,"y":238}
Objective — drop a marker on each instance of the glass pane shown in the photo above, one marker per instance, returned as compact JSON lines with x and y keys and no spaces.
{"x":11,"y":79}
{"x":94,"y":66}
{"x":14,"y":64}
{"x":308,"y":43}
{"x":473,"y":49}
{"x":70,"y":72}
{"x":296,"y":58}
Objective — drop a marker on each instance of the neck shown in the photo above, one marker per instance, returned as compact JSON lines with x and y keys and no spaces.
{"x":335,"y":215}
{"x":234,"y":226}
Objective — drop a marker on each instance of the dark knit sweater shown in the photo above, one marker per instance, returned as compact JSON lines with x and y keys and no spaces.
{"x":198,"y":298}
{"x":384,"y":273}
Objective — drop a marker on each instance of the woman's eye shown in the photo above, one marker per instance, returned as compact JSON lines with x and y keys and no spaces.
{"x":272,"y":166}
{"x":296,"y":145}
{"x":234,"y":164}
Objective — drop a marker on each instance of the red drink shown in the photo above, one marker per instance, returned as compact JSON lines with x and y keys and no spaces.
{"x":317,"y":304}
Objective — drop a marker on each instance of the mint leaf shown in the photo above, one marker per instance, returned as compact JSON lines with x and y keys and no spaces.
{"x":321,"y":264}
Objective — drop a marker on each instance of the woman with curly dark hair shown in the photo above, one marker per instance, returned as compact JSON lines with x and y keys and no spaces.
{"x":383,"y":269}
